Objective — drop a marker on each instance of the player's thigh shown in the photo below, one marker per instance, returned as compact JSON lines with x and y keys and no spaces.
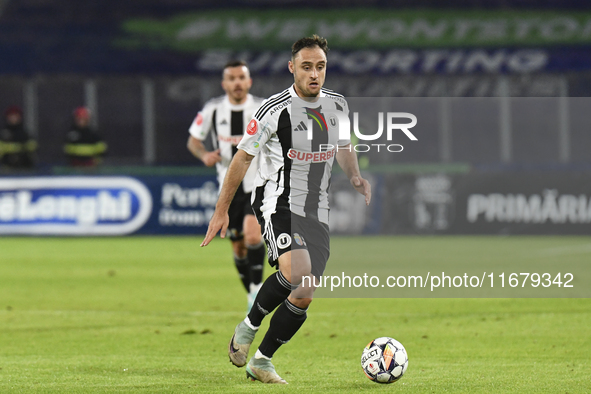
{"x":302,"y":294}
{"x":295,"y":265}
{"x":277,"y":229}
{"x":314,"y":237}
{"x":252,"y":230}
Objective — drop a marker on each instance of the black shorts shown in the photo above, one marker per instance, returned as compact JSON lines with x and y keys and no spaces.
{"x":286,"y":231}
{"x":239,"y":208}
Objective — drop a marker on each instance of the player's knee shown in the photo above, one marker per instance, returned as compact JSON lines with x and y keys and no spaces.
{"x":286,"y":272}
{"x":301,"y":302}
{"x":299,"y":272}
{"x":253,"y":238}
{"x":295,"y":277}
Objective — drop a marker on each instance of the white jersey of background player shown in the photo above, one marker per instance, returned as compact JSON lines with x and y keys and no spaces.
{"x":226,"y":118}
{"x":227,"y":122}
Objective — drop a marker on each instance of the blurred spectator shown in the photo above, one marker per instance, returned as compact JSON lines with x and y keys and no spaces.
{"x":84,"y":147}
{"x":16,"y":147}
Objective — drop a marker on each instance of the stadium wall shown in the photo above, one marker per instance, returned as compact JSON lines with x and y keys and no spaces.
{"x":146,"y":120}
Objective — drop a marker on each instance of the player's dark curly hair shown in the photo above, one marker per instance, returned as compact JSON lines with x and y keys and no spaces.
{"x":235,"y":63}
{"x":309,"y":42}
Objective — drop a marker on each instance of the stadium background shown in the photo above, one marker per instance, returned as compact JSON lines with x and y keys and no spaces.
{"x":511,"y":118}
{"x":508,"y":116}
{"x":503,"y":149}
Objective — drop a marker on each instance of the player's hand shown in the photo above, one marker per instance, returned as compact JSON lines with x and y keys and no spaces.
{"x":363,"y":187}
{"x":219,"y":221}
{"x":210,"y":158}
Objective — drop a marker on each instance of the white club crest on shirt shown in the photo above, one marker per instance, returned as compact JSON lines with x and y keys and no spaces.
{"x":283,"y":240}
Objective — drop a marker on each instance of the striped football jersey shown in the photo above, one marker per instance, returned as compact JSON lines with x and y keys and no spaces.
{"x":227,"y":122}
{"x":296,"y":142}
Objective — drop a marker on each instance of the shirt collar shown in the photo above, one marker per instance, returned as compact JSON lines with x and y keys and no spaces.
{"x":239,"y":107}
{"x":294,"y":94}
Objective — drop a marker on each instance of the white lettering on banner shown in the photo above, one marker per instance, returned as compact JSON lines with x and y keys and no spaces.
{"x":187,"y":89}
{"x":86,"y":210}
{"x":474,"y":30}
{"x":196,"y":218}
{"x":174,"y":195}
{"x":73,"y":205}
{"x":293,"y":27}
{"x":422,"y":28}
{"x":253,"y":28}
{"x":537,"y":208}
{"x":396,"y":61}
{"x":202,"y":27}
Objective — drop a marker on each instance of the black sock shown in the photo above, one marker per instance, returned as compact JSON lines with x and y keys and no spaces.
{"x":286,"y":321}
{"x":273,"y":292}
{"x":243,"y":271}
{"x":256,"y":260}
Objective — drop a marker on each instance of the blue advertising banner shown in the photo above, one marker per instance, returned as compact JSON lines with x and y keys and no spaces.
{"x":109,"y":205}
{"x":181,"y":204}
{"x":73,"y":205}
{"x":504,"y":203}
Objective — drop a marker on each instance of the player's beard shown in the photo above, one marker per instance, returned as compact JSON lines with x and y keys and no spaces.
{"x":308,"y":93}
{"x":318,"y":86}
{"x":238,"y":95}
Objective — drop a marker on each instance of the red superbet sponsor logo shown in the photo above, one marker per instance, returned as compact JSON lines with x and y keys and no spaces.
{"x":199,"y":119}
{"x":312,"y":157}
{"x":252,"y":127}
{"x":234,"y":140}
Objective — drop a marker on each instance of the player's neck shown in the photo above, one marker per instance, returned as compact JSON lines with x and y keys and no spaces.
{"x":233,"y":101}
{"x":301,"y":95}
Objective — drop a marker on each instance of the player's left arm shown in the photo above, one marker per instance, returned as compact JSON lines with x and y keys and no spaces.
{"x":347,"y":159}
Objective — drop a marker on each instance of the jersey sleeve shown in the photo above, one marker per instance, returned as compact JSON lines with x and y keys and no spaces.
{"x":347,"y":141}
{"x":258,"y":102}
{"x":256,"y":135}
{"x":202,"y":122}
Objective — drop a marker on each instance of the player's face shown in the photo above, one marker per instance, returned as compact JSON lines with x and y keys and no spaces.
{"x":82,"y":121}
{"x":309,"y":70}
{"x":14,"y":118}
{"x":236,"y":83}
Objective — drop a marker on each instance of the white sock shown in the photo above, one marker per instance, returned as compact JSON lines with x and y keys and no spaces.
{"x":259,"y":355}
{"x":255,"y":288}
{"x":249,"y":324}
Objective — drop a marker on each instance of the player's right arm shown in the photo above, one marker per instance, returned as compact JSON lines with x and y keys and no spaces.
{"x":198,"y":132}
{"x":234,"y":175}
{"x":198,"y":150}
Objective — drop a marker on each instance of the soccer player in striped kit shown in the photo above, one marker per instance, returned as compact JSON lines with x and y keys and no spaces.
{"x":226,"y":118}
{"x":290,"y":200}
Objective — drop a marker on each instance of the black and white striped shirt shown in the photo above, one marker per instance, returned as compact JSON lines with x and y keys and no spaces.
{"x":227,"y":123}
{"x":296,"y":162}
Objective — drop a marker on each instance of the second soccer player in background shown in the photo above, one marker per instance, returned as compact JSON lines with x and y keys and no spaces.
{"x":226,"y":118}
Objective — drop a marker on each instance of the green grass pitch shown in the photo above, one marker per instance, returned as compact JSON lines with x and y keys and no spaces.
{"x":154,"y":314}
